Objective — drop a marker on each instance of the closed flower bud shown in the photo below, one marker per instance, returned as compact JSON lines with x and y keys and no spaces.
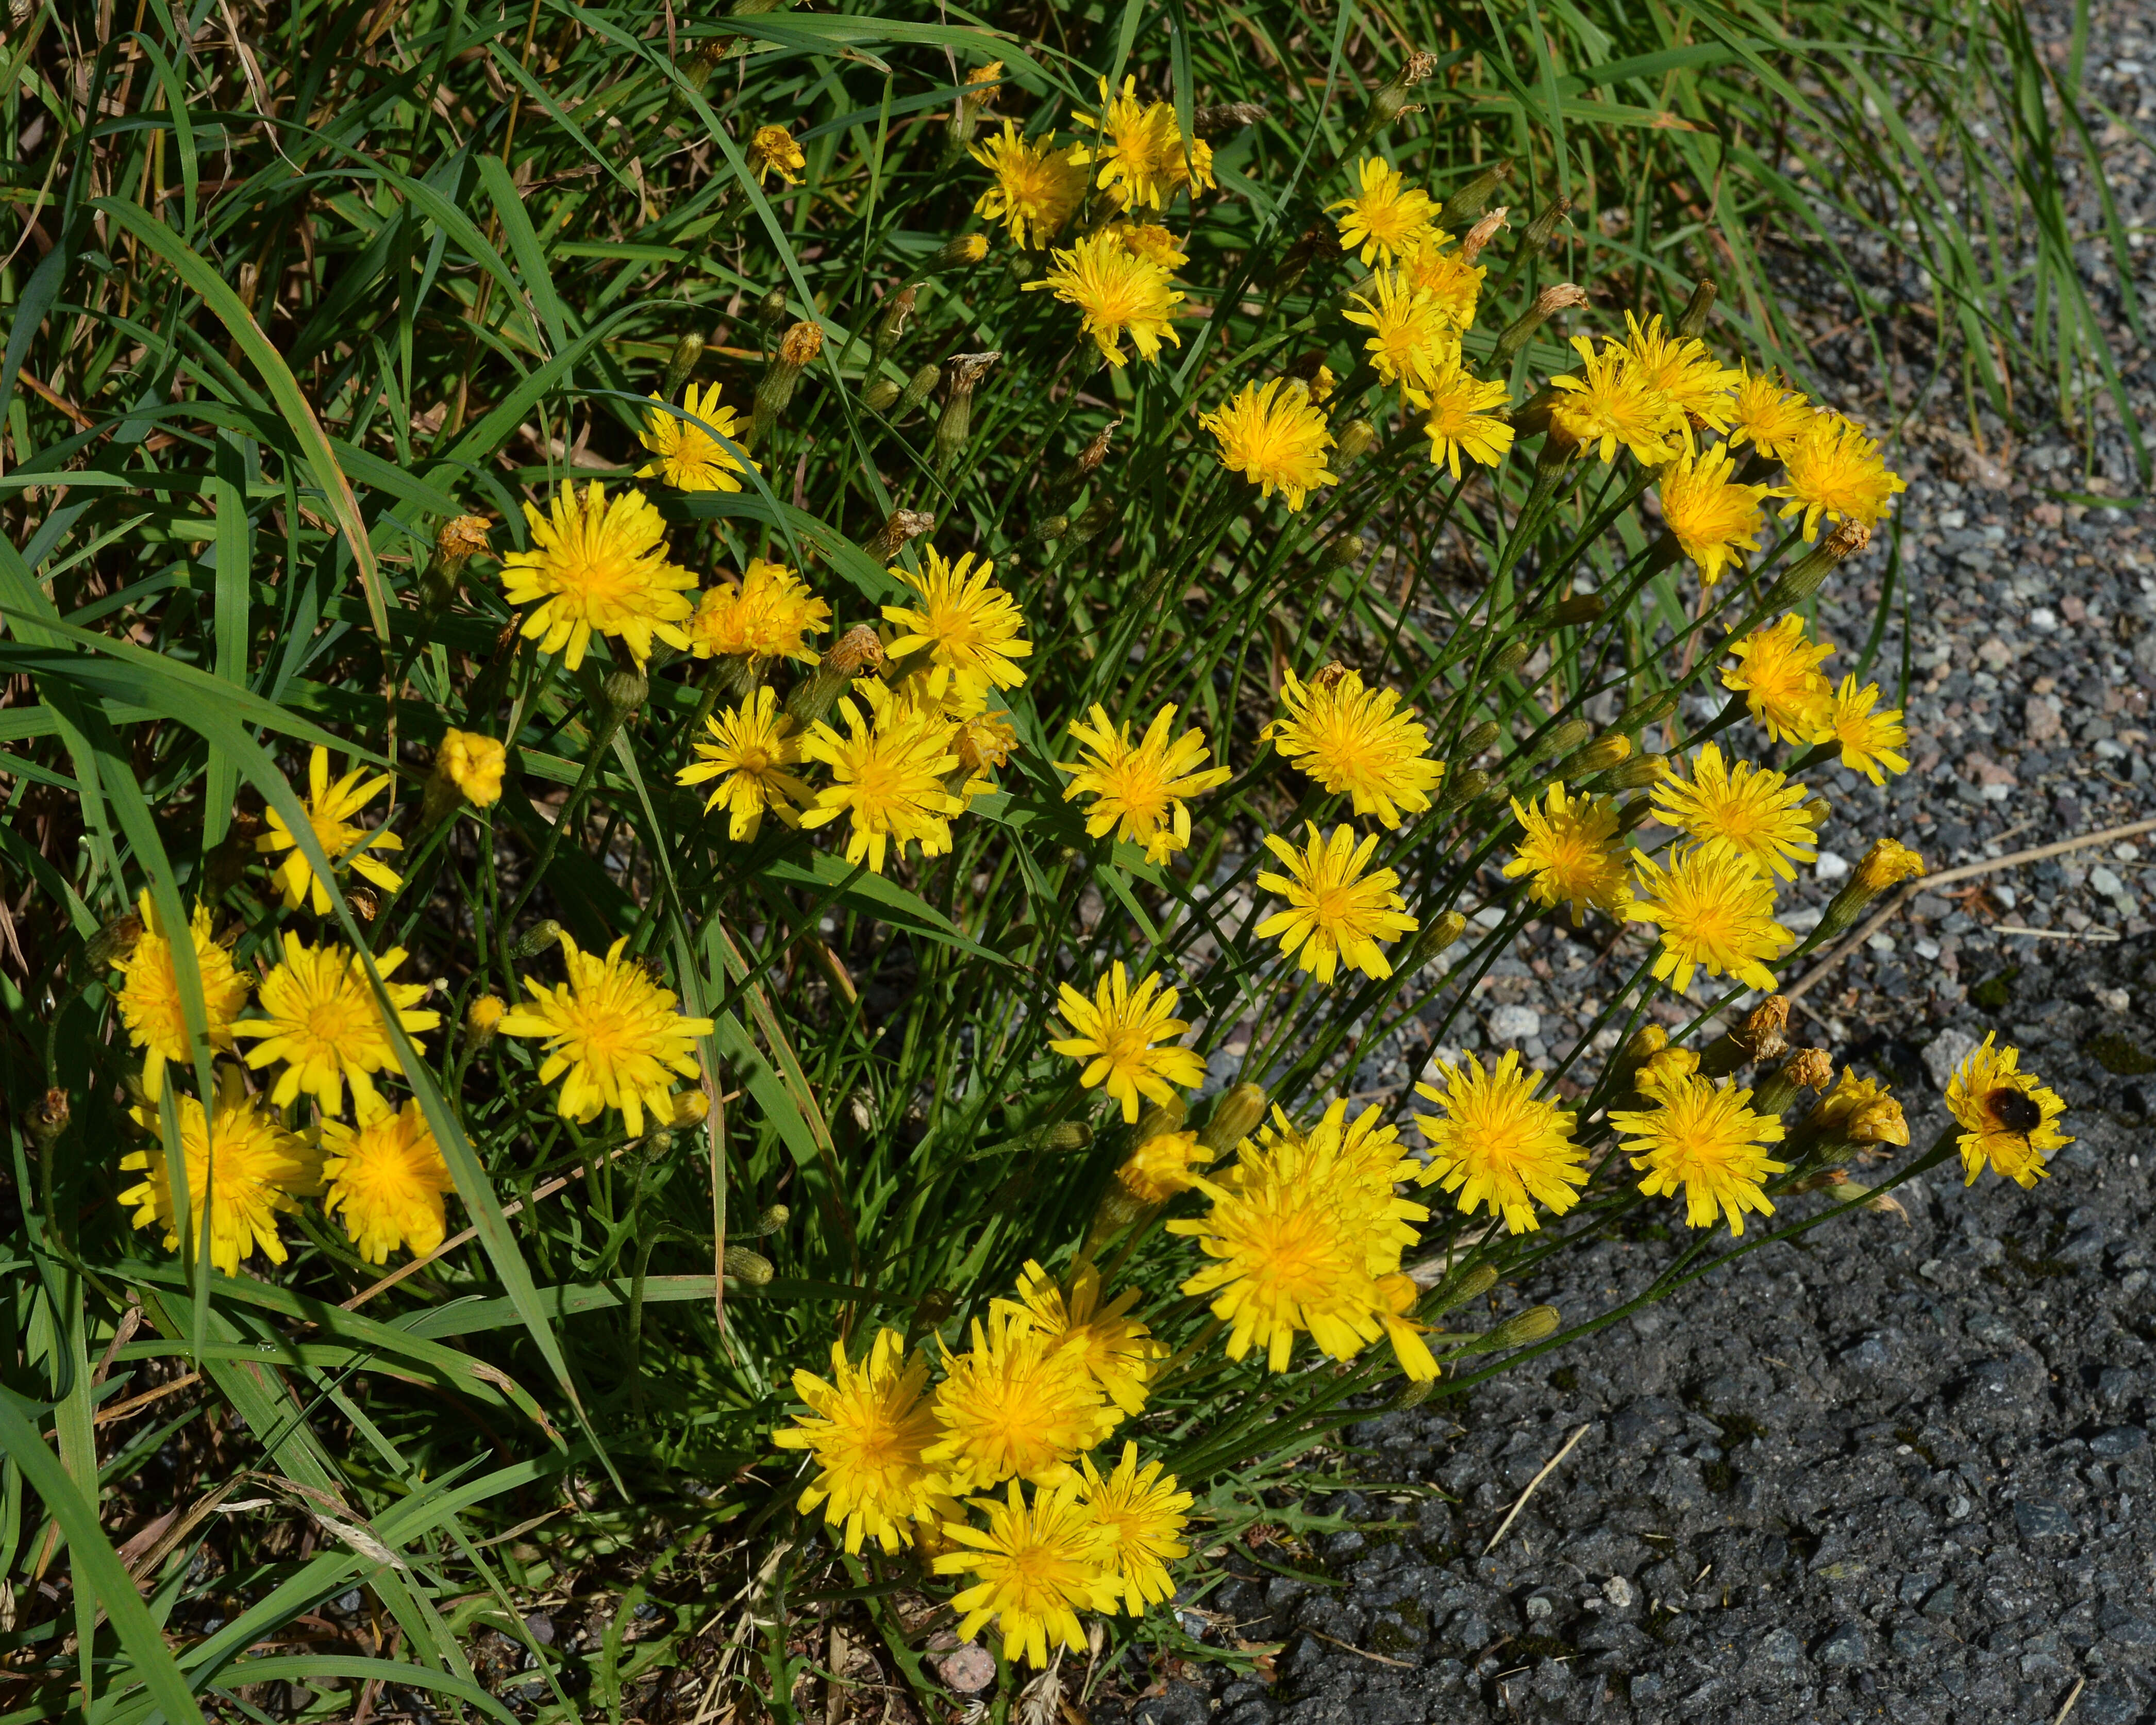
{"x":1564,"y":296}
{"x":1574,"y":609}
{"x":1562,"y":739}
{"x":690,"y":1106}
{"x":855,"y":652}
{"x":623,"y":692}
{"x":1340,"y":550}
{"x":48,"y":1119}
{"x":965,"y":371}
{"x":1355,"y":439}
{"x":1094,"y":519}
{"x":1543,"y":230}
{"x":771,"y":312}
{"x":919,"y":389}
{"x":959,"y":254}
{"x":1161,"y":1118}
{"x":1437,"y":934}
{"x":1459,"y":1287}
{"x":1478,"y":738}
{"x":1235,"y":1116}
{"x":1471,"y":199}
{"x":1065,"y":1137}
{"x":768,"y":1221}
{"x":900,"y":529}
{"x":1647,"y":710}
{"x":797,"y":349}
{"x":1692,"y":320}
{"x":751,"y":1269}
{"x":481,"y":1018}
{"x":1463,"y":788}
{"x":1508,"y":659}
{"x":1522,"y":1329}
{"x":539,"y":938}
{"x":897,"y":313}
{"x":1887,"y":863}
{"x":1636,"y":773}
{"x":1879,"y":1121}
{"x":881,"y":396}
{"x":1804,"y":577}
{"x":1604,"y":752}
{"x":680,"y":364}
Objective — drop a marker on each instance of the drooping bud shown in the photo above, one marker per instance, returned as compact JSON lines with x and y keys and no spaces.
{"x":966,"y":371}
{"x":900,"y":529}
{"x":1481,"y":234}
{"x":751,"y":1269}
{"x":1887,"y":863}
{"x":1235,"y":1116}
{"x":1471,"y":199}
{"x":690,"y":1108}
{"x":1807,"y":1069}
{"x":1564,"y":296}
{"x":1437,"y":934}
{"x":680,"y":364}
{"x":855,"y":652}
{"x":539,"y":938}
{"x":1760,"y":1036}
{"x":1355,"y":439}
{"x":890,"y":326}
{"x":797,"y":349}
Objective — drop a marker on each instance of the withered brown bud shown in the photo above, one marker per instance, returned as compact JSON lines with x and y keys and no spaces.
{"x":897,"y":313}
{"x":901,"y":528}
{"x":366,"y":906}
{"x":50,"y":1117}
{"x":1089,"y":460}
{"x":1327,"y":675}
{"x":963,"y":373}
{"x":799,"y":346}
{"x":1220,"y":119}
{"x":856,"y":651}
{"x":1564,"y":296}
{"x":1481,"y":234}
{"x":1760,"y":1036}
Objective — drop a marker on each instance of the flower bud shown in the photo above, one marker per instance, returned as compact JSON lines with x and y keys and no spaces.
{"x":1462,"y":787}
{"x":1647,"y":710}
{"x":966,"y":371}
{"x":1235,"y":1116}
{"x":890,"y":326}
{"x":918,"y":391}
{"x":1481,"y":234}
{"x":1576,"y":608}
{"x":1522,"y":1329}
{"x":690,"y":1108}
{"x":1085,"y":464}
{"x":1804,"y":577}
{"x":963,"y":253}
{"x":539,"y":938}
{"x":468,"y":767}
{"x":1543,"y":229}
{"x":1437,"y":934}
{"x":1064,"y":1137}
{"x":1340,"y":550}
{"x":1094,"y":519}
{"x":768,"y":1221}
{"x":1807,"y":1069}
{"x":1162,"y":1165}
{"x":1458,"y":1288}
{"x":1508,"y":659}
{"x":1391,"y":99}
{"x":482,"y":1016}
{"x":1478,"y":739}
{"x":900,"y":529}
{"x":1159,"y":1117}
{"x":1761,"y":1036}
{"x":1641,"y":1047}
{"x":797,"y":349}
{"x":680,"y":364}
{"x":750,"y":1269}
{"x":623,"y":692}
{"x":1886,"y":864}
{"x":1609,"y":750}
{"x":1561,"y":739}
{"x":856,"y":651}
{"x":1355,"y":439}
{"x":1636,"y":773}
{"x":1471,"y":199}
{"x":978,"y":95}
{"x":881,"y":396}
{"x":771,"y":312}
{"x":1692,"y":320}
{"x":1564,"y":296}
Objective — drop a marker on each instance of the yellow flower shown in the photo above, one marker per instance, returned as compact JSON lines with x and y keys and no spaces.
{"x":683,"y":453}
{"x":1040,"y":1565}
{"x":1163,"y":1166}
{"x":474,"y":764}
{"x":614,"y":1031}
{"x":1371,"y":1161}
{"x":1834,"y":470}
{"x":1292,"y":1233}
{"x":320,"y":1019}
{"x":1868,"y":740}
{"x":1386,"y":219}
{"x":1152,"y":241}
{"x":867,"y":1428}
{"x":1458,"y":421}
{"x":1445,"y":276}
{"x":771,"y":151}
{"x":1037,"y":188}
{"x":1777,"y":673}
{"x":1611,"y":402}
{"x":1356,"y":741}
{"x":1126,"y":1036}
{"x":983,"y":744}
{"x":1744,"y":810}
{"x":1142,"y":1511}
{"x":1117,"y":1349}
{"x":597,"y":568}
{"x":1338,"y":907}
{"x":1711,"y":516}
{"x":887,"y":773}
{"x":485,"y":1018}
{"x":1767,"y":414}
{"x":1715,"y":912}
{"x":1274,"y":436}
{"x":1118,"y":292}
{"x":1679,"y":369}
{"x":753,"y":747}
{"x":1139,"y":789}
{"x":1703,"y":1138}
{"x":1144,"y":157}
{"x":1498,"y":1145}
{"x":387,"y":1176}
{"x":330,"y":809}
{"x":770,"y":615}
{"x":1017,"y":1403}
{"x":241,"y":1163}
{"x":1887,"y":863}
{"x":1859,"y":1110}
{"x":2008,"y":1118}
{"x":149,"y":997}
{"x":1569,"y":848}
{"x":1411,"y":339}
{"x":969,"y":628}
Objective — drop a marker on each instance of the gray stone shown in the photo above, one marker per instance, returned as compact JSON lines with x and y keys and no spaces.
{"x":2119,"y":1441}
{"x":2040,"y":1518}
{"x":1844,"y":1646}
{"x":1945,"y":1052}
{"x":1513,"y":1023}
{"x":1942,"y":1601}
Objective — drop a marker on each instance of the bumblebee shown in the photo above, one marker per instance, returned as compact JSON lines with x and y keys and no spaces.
{"x":2014,"y":1110}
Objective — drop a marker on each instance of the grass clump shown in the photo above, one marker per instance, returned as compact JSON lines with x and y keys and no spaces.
{"x":729,"y":746}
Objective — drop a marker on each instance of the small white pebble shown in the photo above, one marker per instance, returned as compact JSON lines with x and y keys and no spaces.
{"x":1830,"y":867}
{"x":1619,"y":1593}
{"x":1927,"y":948}
{"x":1881,"y":944}
{"x":2126,"y":850}
{"x":2043,"y":617}
{"x":2113,"y":999}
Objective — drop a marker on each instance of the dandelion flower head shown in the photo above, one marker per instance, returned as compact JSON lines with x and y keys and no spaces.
{"x":1750,"y":811}
{"x":1704,"y":1140}
{"x":598,"y":566}
{"x":1140,"y":790}
{"x":1117,"y":1349}
{"x":1385,"y":217}
{"x":770,"y":614}
{"x":1411,"y":339}
{"x":473,"y":763}
{"x":1457,"y":419}
{"x":1715,"y":910}
{"x":1834,"y":470}
{"x":1356,"y":741}
{"x":1871,"y":737}
{"x":1117,"y":293}
{"x":320,"y":1018}
{"x":1143,"y":1512}
{"x":773,"y":149}
{"x":753,"y":754}
{"x":1777,"y":673}
{"x":888,"y":768}
{"x":149,"y":997}
{"x":1037,"y":188}
{"x":867,"y":1429}
{"x":1712,"y":518}
{"x":1767,"y":414}
{"x":1679,"y":369}
{"x":1127,"y":1037}
{"x":1611,"y":402}
{"x":1275,"y":436}
{"x":241,"y":1163}
{"x":330,"y":808}
{"x":684,"y":454}
{"x":1017,"y":1403}
{"x":1993,"y":1101}
{"x":1445,"y":276}
{"x":1338,"y":908}
{"x":1144,"y":158}
{"x":1165,"y":1164}
{"x":1038,"y":1565}
{"x":1497,"y":1145}
{"x":388,"y":1177}
{"x":1570,"y":853}
{"x":969,"y":627}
